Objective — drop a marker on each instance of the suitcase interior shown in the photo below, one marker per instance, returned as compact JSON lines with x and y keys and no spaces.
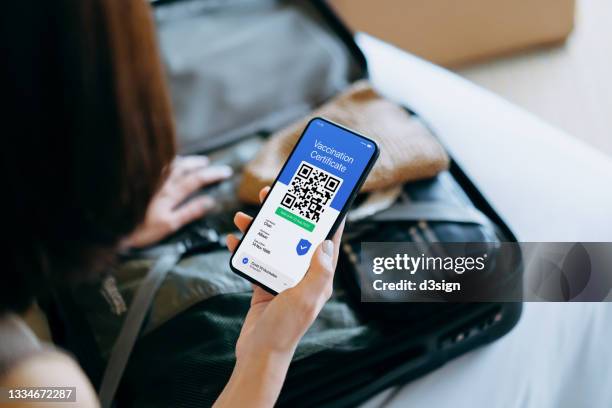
{"x":232,"y":76}
{"x":250,"y":66}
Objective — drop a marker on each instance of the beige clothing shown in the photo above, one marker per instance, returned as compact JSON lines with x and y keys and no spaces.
{"x":408,"y":150}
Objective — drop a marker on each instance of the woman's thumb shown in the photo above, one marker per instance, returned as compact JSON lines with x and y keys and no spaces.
{"x":319,"y":278}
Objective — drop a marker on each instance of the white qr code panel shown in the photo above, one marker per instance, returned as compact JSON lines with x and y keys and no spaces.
{"x":311,"y":190}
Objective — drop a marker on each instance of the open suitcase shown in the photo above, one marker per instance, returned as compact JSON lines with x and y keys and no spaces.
{"x":239,"y":70}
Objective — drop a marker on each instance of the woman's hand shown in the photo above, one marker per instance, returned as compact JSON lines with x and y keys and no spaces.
{"x":275,"y":324}
{"x":168,"y":210}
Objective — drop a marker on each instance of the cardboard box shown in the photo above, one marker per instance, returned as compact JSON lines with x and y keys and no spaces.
{"x":456,"y":32}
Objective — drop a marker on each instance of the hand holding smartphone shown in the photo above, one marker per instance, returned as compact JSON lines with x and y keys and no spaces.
{"x":305,"y":205}
{"x":274,"y":325}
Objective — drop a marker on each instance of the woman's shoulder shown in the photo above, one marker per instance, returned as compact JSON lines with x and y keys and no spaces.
{"x":51,"y":368}
{"x":25,"y":362}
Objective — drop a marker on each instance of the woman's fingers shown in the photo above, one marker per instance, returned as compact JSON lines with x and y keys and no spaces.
{"x":212,"y":174}
{"x":186,"y":164}
{"x":190,"y":211}
{"x":232,"y":242}
{"x":336,"y":239}
{"x":316,"y":287}
{"x":263,"y":193}
{"x":186,"y":185}
{"x":242,"y":221}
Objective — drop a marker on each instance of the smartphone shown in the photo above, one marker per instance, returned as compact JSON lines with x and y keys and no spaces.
{"x":305,"y":205}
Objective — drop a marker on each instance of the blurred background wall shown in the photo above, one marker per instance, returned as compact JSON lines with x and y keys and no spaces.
{"x":552,"y":57}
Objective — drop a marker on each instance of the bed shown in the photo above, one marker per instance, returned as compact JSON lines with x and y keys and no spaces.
{"x":559,"y":354}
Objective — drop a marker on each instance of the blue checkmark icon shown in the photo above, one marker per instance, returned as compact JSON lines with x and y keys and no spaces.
{"x":302,"y":247}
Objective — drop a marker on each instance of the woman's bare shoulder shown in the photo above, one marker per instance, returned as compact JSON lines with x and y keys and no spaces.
{"x":51,"y":368}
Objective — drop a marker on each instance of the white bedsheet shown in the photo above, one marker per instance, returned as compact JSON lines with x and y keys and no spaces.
{"x":559,"y":355}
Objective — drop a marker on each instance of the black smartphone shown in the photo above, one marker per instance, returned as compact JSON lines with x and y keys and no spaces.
{"x":305,"y":205}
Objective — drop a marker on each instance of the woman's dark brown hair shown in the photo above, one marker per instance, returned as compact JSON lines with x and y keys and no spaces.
{"x":87,"y":134}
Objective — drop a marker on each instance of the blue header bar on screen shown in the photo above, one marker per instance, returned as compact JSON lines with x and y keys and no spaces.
{"x":333,"y":149}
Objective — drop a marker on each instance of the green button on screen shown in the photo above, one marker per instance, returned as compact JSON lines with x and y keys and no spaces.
{"x":299,"y":221}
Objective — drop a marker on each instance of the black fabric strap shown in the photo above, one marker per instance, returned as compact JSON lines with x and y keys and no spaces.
{"x":431,"y":212}
{"x":132,"y":325}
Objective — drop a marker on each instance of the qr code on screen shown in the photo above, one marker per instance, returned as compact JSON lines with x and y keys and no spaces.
{"x":311,"y":191}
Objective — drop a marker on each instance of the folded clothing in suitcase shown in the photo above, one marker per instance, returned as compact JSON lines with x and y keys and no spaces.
{"x":239,"y":71}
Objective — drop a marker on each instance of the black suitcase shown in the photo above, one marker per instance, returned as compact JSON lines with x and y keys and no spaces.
{"x":230,"y":88}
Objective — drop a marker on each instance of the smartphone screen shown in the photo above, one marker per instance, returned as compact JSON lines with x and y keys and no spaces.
{"x":305,"y":205}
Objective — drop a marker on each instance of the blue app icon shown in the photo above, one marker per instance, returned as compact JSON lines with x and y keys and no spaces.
{"x":302,"y":247}
{"x":245,"y":260}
